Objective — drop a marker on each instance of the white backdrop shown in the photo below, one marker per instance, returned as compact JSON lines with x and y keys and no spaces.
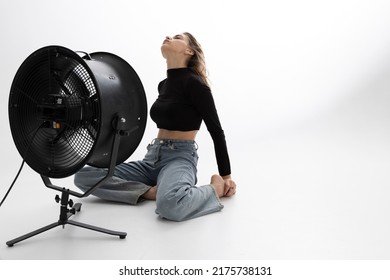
{"x":271,"y":63}
{"x":277,"y":68}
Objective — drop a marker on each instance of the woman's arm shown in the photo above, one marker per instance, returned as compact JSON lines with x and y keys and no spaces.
{"x":203,"y":100}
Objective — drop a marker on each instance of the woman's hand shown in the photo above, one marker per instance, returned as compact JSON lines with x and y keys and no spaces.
{"x":224,"y":186}
{"x":230,"y":186}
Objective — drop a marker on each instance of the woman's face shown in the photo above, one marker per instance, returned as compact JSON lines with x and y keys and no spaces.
{"x":177,"y":44}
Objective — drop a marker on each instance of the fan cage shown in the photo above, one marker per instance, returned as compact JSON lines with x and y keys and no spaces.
{"x":54,"y":111}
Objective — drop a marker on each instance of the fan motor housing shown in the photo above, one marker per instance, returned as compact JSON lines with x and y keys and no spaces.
{"x":63,"y":107}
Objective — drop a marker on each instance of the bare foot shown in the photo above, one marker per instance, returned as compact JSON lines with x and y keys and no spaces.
{"x":150,"y":194}
{"x":218,"y":184}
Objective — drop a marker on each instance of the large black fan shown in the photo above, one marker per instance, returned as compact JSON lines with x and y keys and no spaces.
{"x":68,"y":110}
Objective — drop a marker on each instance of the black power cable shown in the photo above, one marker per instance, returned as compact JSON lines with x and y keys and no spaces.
{"x":21,"y":166}
{"x":16,"y":177}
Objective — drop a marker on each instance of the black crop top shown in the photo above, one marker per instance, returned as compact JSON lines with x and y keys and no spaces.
{"x":183,"y":102}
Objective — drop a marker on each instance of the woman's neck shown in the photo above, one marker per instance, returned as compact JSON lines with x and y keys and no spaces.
{"x":176,"y":63}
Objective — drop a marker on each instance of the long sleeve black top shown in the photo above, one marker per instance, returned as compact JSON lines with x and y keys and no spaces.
{"x":183,"y":102}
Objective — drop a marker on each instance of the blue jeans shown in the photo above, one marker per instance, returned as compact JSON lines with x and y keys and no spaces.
{"x":170,"y":165}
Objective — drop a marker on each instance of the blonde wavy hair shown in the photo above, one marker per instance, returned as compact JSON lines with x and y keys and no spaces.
{"x":197,"y":62}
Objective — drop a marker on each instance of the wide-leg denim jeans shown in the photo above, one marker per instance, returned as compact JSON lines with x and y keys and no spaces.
{"x":168,"y":164}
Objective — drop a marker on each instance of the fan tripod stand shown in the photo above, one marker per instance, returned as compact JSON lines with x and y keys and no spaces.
{"x":65,"y":212}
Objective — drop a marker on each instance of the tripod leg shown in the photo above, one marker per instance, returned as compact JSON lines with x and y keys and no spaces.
{"x":121,"y":235}
{"x":31,"y":234}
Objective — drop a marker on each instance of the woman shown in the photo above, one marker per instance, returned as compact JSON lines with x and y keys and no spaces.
{"x":167,"y":174}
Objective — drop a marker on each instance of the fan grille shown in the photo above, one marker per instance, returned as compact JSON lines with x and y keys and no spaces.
{"x":54,"y":111}
{"x":80,"y":136}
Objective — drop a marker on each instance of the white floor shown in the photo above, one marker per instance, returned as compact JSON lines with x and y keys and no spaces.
{"x":318,"y":189}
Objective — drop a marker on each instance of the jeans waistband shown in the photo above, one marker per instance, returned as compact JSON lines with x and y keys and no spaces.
{"x":158,"y":141}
